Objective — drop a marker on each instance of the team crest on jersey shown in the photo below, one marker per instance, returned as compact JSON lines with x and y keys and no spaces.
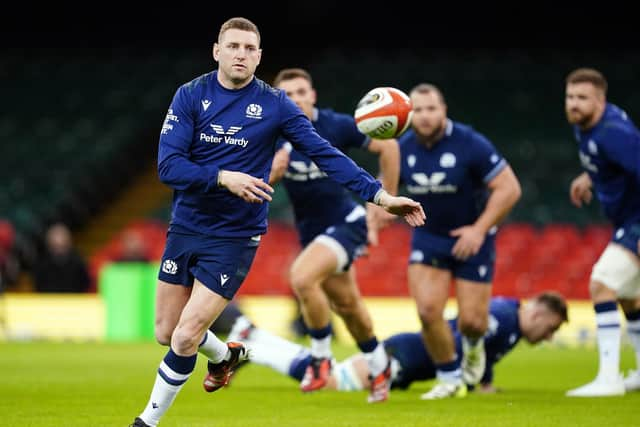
{"x":254,"y":111}
{"x":447,"y":160}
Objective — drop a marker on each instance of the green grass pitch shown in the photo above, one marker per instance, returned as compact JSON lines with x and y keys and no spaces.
{"x":101,"y":384}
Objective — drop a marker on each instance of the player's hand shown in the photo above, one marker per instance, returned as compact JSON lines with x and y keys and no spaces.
{"x":410,"y":210}
{"x":247,"y":187}
{"x":377,"y":219}
{"x":580,"y":190}
{"x":279,"y":165}
{"x":470,"y":239}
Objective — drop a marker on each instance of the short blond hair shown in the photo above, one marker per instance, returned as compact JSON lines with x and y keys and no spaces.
{"x":239,"y":23}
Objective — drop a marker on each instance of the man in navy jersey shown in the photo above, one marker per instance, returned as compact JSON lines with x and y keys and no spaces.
{"x":509,"y":320}
{"x":332,"y":230}
{"x":215,"y":151}
{"x":609,"y":149}
{"x":468,"y":188}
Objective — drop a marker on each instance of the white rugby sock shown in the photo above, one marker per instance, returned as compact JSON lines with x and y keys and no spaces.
{"x":273,"y":351}
{"x":608,"y":334}
{"x":633,"y":331}
{"x":377,"y":360}
{"x":212,"y":347}
{"x":173,"y":372}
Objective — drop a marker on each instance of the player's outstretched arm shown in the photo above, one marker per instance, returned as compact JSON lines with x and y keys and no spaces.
{"x":405,"y":207}
{"x":248,"y":188}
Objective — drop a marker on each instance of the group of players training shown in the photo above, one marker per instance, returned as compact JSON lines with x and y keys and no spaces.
{"x":229,"y":136}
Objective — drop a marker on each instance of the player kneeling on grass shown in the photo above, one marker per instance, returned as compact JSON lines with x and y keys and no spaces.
{"x":509,"y":320}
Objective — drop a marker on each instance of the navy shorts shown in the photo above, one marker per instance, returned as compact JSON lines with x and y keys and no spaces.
{"x":435,"y":251}
{"x":221,"y":264}
{"x":627,"y":235}
{"x":351,"y":236}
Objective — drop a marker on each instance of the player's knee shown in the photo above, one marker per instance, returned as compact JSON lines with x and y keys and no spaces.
{"x":162,"y":334}
{"x":600,"y":292}
{"x":300,"y":282}
{"x":429,"y":313}
{"x":473,"y":326}
{"x":162,"y":337}
{"x":184,"y":340}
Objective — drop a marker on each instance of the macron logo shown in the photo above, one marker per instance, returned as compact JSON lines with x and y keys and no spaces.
{"x":205,"y":104}
{"x":223,"y":279}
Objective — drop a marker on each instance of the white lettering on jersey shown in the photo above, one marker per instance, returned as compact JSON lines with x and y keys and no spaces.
{"x":430,"y":184}
{"x":304,"y":171}
{"x":585,"y":160}
{"x":170,"y":117}
{"x":241,"y":142}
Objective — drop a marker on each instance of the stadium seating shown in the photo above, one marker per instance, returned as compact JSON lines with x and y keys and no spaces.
{"x":529,"y":259}
{"x":79,"y":128}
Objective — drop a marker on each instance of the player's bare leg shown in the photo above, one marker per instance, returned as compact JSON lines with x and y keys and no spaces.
{"x":473,"y":318}
{"x":314,"y":264}
{"x":347,"y":302}
{"x":430,"y":288}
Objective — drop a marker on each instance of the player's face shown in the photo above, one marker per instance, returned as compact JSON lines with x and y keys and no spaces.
{"x":542,"y":325}
{"x":300,"y":92}
{"x":429,"y":114}
{"x":582,"y":102}
{"x":238,"y":55}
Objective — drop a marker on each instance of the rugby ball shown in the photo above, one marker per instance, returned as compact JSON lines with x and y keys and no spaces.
{"x":384,"y":113}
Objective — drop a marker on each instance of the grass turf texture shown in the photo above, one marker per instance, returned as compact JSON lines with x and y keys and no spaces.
{"x":100,"y":384}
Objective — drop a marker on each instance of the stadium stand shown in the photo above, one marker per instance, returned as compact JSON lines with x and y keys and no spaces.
{"x":529,"y":259}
